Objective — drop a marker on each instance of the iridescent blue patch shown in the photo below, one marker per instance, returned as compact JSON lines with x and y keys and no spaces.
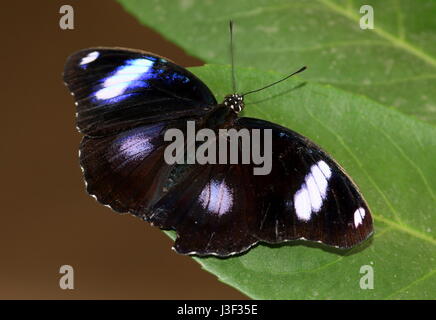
{"x":129,"y":76}
{"x":180,"y":77}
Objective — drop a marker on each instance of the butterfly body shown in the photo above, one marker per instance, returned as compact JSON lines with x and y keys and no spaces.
{"x":128,"y":99}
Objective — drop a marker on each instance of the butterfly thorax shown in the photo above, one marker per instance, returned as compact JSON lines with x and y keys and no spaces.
{"x":221,"y":117}
{"x":235,"y":102}
{"x":225,"y":113}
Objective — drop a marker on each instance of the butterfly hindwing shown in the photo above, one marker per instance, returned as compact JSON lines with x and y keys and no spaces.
{"x":127,"y":170}
{"x":116,"y":89}
{"x":211,"y":211}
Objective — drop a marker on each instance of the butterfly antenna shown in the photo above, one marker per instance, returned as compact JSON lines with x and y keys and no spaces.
{"x":270,"y":85}
{"x":232,"y":56}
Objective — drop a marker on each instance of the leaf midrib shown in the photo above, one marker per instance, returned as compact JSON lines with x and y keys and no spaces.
{"x":398,"y":42}
{"x":395,"y":41}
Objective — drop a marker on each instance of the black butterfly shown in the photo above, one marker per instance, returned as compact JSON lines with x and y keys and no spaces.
{"x":127,"y":99}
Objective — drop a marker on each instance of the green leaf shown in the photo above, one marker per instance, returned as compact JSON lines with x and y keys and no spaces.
{"x":395,"y":63}
{"x":390,"y":156}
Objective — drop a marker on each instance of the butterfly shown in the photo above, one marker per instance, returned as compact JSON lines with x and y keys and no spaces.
{"x":127,"y":99}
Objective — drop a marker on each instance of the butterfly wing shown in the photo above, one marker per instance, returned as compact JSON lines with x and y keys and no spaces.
{"x":211,"y":211}
{"x":116,"y":89}
{"x":126,"y":171}
{"x":126,"y":99}
{"x":307,"y":195}
{"x":225,"y":209}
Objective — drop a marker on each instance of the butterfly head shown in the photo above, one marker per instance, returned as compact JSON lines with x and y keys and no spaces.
{"x":234,"y":102}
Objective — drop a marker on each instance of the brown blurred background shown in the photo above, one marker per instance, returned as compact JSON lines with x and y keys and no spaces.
{"x":47,"y":219}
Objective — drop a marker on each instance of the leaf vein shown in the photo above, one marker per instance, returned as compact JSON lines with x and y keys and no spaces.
{"x":384,"y":34}
{"x":342,"y":142}
{"x":401,"y":151}
{"x":424,"y":277}
{"x":325,"y":46}
{"x":384,"y":83}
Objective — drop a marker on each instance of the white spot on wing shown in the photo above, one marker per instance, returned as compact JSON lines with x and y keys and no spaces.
{"x":117,"y":83}
{"x":309,"y":198}
{"x":216,"y":197}
{"x":89,"y":58}
{"x":324,"y":168}
{"x":302,"y":203}
{"x":137,"y":145}
{"x":359,"y":215}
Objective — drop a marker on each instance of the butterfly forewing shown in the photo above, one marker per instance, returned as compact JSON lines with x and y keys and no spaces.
{"x":307,"y":195}
{"x":117,"y":89}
